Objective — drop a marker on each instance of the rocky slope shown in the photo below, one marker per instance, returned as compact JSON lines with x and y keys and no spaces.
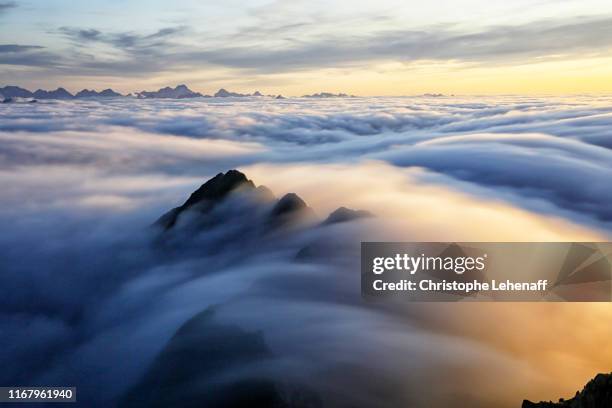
{"x":597,"y":393}
{"x":231,"y":222}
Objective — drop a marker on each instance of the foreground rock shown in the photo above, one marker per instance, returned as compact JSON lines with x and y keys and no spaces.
{"x":596,"y":394}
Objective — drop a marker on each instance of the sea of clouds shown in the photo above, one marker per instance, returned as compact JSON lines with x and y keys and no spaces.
{"x":88,"y":299}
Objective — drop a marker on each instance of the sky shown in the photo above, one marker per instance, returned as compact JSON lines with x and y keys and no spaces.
{"x":298,"y":47}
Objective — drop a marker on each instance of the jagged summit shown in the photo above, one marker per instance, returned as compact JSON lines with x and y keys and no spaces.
{"x":597,"y":393}
{"x":209,"y":194}
{"x":289,"y":203}
{"x":256,"y":203}
{"x":218,"y":187}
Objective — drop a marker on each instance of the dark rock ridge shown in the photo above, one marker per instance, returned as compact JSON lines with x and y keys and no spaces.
{"x":597,"y":393}
{"x":180,"y":92}
{"x":209,"y":194}
{"x":218,"y":188}
{"x":282,"y":212}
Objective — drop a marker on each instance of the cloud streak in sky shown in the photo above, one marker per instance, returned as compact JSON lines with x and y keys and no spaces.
{"x":141,"y":54}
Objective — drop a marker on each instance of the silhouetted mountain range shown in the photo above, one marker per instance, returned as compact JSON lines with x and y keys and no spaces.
{"x":222,"y":93}
{"x":328,"y":95}
{"x":597,"y":393}
{"x":107,"y":93}
{"x":60,"y":93}
{"x":179,"y":92}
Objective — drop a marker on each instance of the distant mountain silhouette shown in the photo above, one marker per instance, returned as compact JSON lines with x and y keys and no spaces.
{"x":107,"y":93}
{"x":328,"y":95}
{"x":597,"y":393}
{"x":59,"y":93}
{"x":223,"y":93}
{"x":180,"y":92}
{"x":12,"y":91}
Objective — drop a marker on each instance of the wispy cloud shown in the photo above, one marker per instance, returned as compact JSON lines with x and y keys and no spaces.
{"x":5,"y":6}
{"x":128,"y":41}
{"x":6,"y":48}
{"x":142,"y":53}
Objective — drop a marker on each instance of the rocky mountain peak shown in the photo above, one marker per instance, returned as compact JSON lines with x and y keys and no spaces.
{"x":218,"y":187}
{"x":597,"y":393}
{"x":344,"y":214}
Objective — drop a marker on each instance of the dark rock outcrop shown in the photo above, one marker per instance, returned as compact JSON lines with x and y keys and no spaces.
{"x":344,"y":214}
{"x":597,"y":393}
{"x":290,"y":209}
{"x":288,"y":204}
{"x":242,"y":199}
{"x":208,"y":195}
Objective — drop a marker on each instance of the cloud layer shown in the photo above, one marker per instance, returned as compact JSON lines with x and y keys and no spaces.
{"x":86,"y":282}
